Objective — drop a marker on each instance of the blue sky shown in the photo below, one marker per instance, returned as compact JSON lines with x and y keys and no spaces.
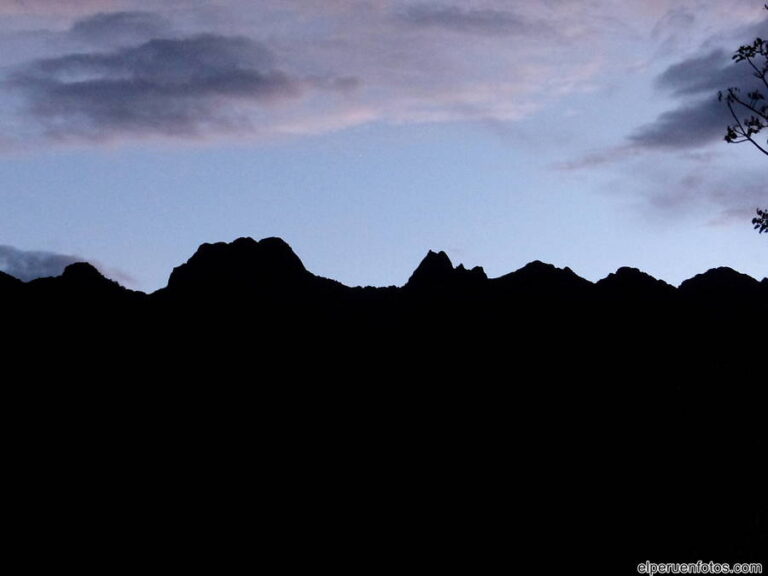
{"x":585,"y":134}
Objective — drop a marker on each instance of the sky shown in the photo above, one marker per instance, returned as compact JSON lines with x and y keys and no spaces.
{"x":583,"y":133}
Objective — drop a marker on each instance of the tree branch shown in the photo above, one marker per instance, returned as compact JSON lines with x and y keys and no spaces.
{"x":733,"y":97}
{"x":759,"y":73}
{"x":741,"y":131}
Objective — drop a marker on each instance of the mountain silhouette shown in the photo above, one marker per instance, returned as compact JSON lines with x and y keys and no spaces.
{"x":247,"y":268}
{"x":436,"y":272}
{"x":244,"y":264}
{"x":81,"y":279}
{"x":623,"y":417}
{"x":81,"y":291}
{"x":632,"y":284}
{"x":541,"y":280}
{"x":721,"y":284}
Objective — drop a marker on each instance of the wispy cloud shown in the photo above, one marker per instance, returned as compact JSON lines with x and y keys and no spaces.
{"x":483,"y":21}
{"x":598,"y":158}
{"x":728,"y":199}
{"x":115,"y":28}
{"x":28,"y":265}
{"x":24,"y":7}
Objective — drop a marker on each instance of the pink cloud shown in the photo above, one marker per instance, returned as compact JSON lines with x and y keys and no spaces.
{"x":444,"y":62}
{"x":50,"y":7}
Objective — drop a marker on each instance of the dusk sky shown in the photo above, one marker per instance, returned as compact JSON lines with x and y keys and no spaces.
{"x":366,"y":132}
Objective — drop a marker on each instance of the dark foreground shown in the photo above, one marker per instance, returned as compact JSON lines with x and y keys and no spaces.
{"x":252,"y":413}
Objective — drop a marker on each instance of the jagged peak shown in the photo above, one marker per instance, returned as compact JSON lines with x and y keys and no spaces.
{"x":437,"y":269}
{"x":437,"y":260}
{"x":434,"y":267}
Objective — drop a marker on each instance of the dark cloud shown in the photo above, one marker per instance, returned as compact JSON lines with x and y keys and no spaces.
{"x":163,"y":86}
{"x":115,"y":28}
{"x":703,"y":74}
{"x":27,"y":266}
{"x":700,"y":119}
{"x":470,"y":21}
{"x":699,"y":122}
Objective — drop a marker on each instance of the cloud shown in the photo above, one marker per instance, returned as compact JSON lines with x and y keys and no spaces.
{"x":671,"y":28}
{"x":131,"y":74}
{"x":596,"y":159}
{"x":401,"y":61}
{"x":699,"y":122}
{"x":702,"y":74}
{"x":26,"y":7}
{"x":27,"y":266}
{"x":700,"y":119}
{"x":116,"y":28}
{"x":468,"y":21}
{"x":164,"y":86}
{"x":730,"y":199}
{"x":697,"y":118}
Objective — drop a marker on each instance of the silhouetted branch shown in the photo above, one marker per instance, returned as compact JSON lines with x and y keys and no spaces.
{"x":761,"y":222}
{"x":744,"y":130}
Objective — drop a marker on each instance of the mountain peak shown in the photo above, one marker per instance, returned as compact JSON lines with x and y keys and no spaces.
{"x":539,"y":268}
{"x":719,"y":282}
{"x":629,"y":282}
{"x":244,"y":264}
{"x":82,"y":271}
{"x":538,"y":265}
{"x":434,"y":264}
{"x":540,"y":279}
{"x":85,"y":278}
{"x":437,"y":269}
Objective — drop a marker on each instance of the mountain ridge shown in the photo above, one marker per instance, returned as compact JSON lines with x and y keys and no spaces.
{"x":249,"y":262}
